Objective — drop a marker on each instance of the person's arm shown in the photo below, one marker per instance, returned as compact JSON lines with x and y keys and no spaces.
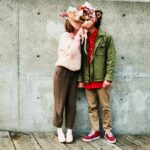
{"x":110,"y":59}
{"x":70,"y":49}
{"x":76,"y":44}
{"x":80,"y":80}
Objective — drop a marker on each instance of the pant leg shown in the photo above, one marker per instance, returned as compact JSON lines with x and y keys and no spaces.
{"x":104,"y":98}
{"x":91,"y":96}
{"x":61,"y":83}
{"x":71,"y":101}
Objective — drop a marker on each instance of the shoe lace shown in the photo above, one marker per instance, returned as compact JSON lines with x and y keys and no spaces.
{"x":91,"y":133}
{"x":109,"y":134}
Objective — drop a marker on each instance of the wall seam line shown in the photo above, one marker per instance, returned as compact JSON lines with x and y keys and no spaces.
{"x":18,"y":65}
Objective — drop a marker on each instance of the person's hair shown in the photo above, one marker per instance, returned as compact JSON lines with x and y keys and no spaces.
{"x":98,"y":14}
{"x":69,"y":28}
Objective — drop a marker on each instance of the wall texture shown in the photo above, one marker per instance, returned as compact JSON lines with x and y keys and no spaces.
{"x":29,"y":35}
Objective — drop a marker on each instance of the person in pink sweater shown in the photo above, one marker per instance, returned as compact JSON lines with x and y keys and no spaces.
{"x":65,"y":79}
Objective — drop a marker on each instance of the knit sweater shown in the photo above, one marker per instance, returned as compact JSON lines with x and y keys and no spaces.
{"x":69,"y":55}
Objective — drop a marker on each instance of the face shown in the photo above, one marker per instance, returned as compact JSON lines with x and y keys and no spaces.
{"x":89,"y":24}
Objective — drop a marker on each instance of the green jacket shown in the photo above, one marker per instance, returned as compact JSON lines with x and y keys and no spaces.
{"x":103,"y":60}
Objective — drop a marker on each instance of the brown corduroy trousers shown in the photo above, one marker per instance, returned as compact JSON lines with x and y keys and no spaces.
{"x":65,"y":89}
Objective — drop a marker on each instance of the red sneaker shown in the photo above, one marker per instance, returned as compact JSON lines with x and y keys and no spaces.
{"x":92,"y":136}
{"x":110,"y":137}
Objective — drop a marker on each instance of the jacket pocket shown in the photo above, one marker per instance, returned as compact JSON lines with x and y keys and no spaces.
{"x":100,"y":50}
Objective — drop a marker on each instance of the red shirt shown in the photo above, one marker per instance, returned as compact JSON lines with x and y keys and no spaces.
{"x":91,"y":42}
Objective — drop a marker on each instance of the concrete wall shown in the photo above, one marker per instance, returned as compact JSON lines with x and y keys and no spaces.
{"x":29,"y":35}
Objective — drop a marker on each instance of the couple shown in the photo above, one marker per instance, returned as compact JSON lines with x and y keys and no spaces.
{"x":87,"y":64}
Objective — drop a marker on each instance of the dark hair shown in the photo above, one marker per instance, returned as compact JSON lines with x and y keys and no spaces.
{"x":69,"y":28}
{"x":98,"y":14}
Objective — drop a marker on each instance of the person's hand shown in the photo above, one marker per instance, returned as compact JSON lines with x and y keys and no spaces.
{"x":106,"y":84}
{"x":80,"y":85}
{"x":80,"y":35}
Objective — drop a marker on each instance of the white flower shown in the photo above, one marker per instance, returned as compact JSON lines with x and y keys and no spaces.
{"x":88,"y":5}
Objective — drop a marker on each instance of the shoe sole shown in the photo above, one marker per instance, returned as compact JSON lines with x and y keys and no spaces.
{"x":111,"y":142}
{"x":91,"y":139}
{"x":62,"y":141}
{"x":69,"y":142}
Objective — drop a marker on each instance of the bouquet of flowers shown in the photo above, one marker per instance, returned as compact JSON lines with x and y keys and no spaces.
{"x":83,"y":14}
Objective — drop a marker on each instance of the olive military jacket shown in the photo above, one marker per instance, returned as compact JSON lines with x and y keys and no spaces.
{"x":103,"y":60}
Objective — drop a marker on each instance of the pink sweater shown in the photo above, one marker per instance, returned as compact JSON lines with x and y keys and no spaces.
{"x":69,"y":55}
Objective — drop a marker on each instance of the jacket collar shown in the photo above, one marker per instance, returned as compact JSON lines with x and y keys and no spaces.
{"x":101,"y":33}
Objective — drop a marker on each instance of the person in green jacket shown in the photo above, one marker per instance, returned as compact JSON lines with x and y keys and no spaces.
{"x":96,"y":76}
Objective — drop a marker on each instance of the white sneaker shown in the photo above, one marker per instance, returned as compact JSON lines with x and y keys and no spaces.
{"x":61,"y":135}
{"x":69,"y":136}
